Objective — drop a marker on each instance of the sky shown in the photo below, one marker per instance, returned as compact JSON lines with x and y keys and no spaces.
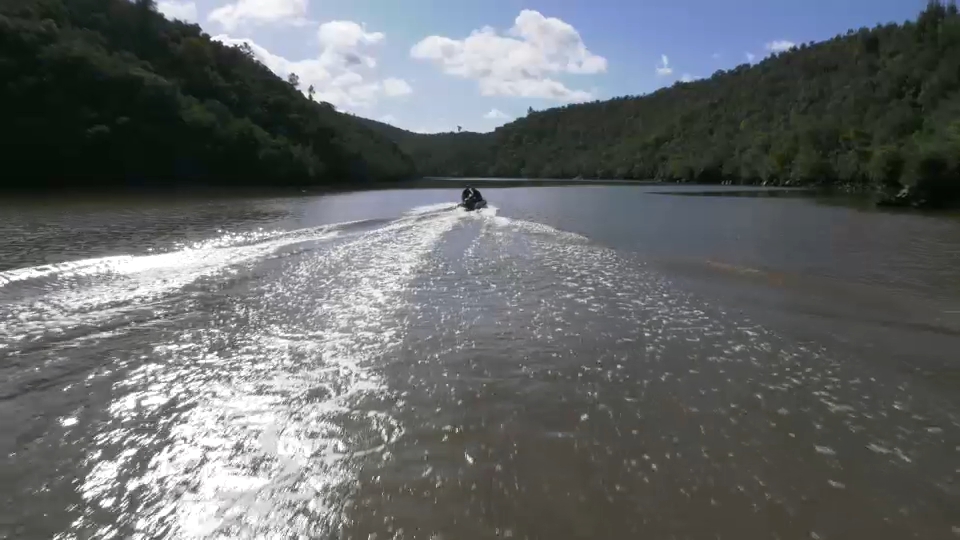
{"x":432,"y":65}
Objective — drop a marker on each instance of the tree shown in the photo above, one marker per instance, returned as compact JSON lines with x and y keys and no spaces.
{"x":849,"y":112}
{"x":294,"y":80}
{"x":146,"y":5}
{"x":310,"y":92}
{"x":247,"y":50}
{"x":109,"y":92}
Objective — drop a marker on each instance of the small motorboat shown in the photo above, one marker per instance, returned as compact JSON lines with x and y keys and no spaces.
{"x":473,"y":204}
{"x":471,"y":199}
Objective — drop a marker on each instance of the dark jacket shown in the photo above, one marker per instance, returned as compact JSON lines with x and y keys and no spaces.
{"x":471,"y":193}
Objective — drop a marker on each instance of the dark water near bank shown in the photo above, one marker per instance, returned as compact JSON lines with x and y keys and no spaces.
{"x":573,"y":362}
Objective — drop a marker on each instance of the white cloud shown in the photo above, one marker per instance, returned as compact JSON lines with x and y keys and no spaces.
{"x":750,"y":57}
{"x":396,"y":87}
{"x":388,"y":119}
{"x":689,"y":78}
{"x":496,"y":114}
{"x":342,"y":43}
{"x":519,"y":63}
{"x":241,"y":12}
{"x":780,"y":45}
{"x":663,"y":68}
{"x":532,"y":88}
{"x":174,"y":9}
{"x":343,"y":72}
{"x":342,"y":35}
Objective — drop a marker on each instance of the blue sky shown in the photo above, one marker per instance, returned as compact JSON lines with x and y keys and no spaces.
{"x":431,"y":65}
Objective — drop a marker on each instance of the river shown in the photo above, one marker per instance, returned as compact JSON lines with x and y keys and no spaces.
{"x":600,"y":361}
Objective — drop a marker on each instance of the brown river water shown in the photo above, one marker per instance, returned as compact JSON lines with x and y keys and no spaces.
{"x":603,"y":361}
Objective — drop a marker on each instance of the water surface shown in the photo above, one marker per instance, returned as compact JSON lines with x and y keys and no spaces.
{"x":571,"y":362}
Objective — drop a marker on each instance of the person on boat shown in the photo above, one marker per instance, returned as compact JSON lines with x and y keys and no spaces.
{"x":471,"y":194}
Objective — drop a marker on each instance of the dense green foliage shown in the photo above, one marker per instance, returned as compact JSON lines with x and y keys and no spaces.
{"x":441,"y":154}
{"x":112,"y":92}
{"x":875,"y":108}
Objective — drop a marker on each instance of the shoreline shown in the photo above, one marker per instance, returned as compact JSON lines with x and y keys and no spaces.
{"x":867,"y":197}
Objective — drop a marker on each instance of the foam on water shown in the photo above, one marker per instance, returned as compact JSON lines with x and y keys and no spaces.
{"x":193,"y":251}
{"x":487,"y":211}
{"x":91,"y":291}
{"x":483,"y":353}
{"x":431,"y":209}
{"x":532,"y":227}
{"x":88,"y":266}
{"x":294,"y":391}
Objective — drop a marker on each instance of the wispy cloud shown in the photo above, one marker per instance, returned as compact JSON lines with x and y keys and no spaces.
{"x":663,"y":68}
{"x":716,"y":56}
{"x":259,"y":12}
{"x":750,"y":57}
{"x":496,"y":114}
{"x":396,"y":87}
{"x":780,"y":45}
{"x":388,"y":119}
{"x":689,"y":78}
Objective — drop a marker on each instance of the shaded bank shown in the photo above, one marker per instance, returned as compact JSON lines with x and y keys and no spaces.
{"x":167,"y":190}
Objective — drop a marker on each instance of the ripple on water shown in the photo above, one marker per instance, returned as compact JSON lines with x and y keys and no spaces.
{"x":263,"y":433}
{"x":656,"y":405}
{"x":470,"y":375}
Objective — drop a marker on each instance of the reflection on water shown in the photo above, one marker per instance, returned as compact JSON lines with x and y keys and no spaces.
{"x":383,"y":365}
{"x":741,"y":192}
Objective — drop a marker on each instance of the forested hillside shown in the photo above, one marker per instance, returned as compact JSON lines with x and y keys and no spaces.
{"x":874,"y":108}
{"x":441,"y":154}
{"x":105,"y":92}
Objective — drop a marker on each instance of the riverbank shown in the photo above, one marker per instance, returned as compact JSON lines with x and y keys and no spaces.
{"x":919,"y":197}
{"x":247,"y":191}
{"x":851,"y":195}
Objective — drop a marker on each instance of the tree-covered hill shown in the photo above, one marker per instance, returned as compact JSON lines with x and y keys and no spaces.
{"x":440,"y":154}
{"x":873,"y":108}
{"x":104,"y":92}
